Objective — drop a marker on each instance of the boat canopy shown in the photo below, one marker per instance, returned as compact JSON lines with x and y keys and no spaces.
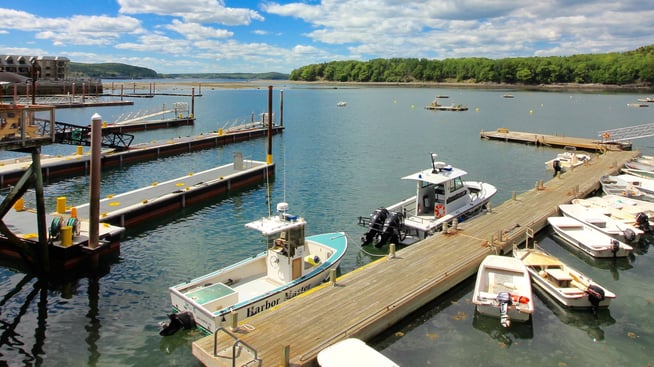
{"x":442,"y":175}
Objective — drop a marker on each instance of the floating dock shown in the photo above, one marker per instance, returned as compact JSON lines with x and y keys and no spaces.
{"x":594,"y":145}
{"x":158,"y":199}
{"x":79,"y":163}
{"x":366,"y":301}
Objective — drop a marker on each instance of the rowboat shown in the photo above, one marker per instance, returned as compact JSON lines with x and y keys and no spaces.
{"x":441,"y":197}
{"x":588,"y":239}
{"x":602,"y":221}
{"x":629,"y":211}
{"x":615,"y":185}
{"x":566,"y":285}
{"x":503,"y":290}
{"x":352,"y":352}
{"x":290,"y":265}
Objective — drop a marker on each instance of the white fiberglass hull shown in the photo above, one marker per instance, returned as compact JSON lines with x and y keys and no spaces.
{"x":588,"y":239}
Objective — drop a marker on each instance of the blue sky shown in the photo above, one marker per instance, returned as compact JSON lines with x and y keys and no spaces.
{"x":198,"y":36}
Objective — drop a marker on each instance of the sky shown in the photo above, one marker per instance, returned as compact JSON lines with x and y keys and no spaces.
{"x":253,"y":36}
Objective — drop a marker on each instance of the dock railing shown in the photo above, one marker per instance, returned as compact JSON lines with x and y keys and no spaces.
{"x":233,"y":352}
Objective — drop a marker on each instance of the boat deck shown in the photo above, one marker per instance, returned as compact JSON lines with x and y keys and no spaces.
{"x":366,"y":301}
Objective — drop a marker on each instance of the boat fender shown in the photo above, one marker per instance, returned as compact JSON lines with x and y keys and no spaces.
{"x":313,"y":260}
{"x":177,"y":321}
{"x":629,"y":234}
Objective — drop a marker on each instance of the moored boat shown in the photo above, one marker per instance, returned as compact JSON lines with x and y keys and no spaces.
{"x":632,"y":215}
{"x":441,"y":197}
{"x":503,"y":290}
{"x":352,"y":352}
{"x":290,"y":265}
{"x":588,"y":239}
{"x":615,"y":185}
{"x":435,"y":105}
{"x":567,"y":160}
{"x":598,"y":219}
{"x":566,"y":285}
{"x":642,"y":184}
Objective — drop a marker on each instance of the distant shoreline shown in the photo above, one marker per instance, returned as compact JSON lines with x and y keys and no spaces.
{"x":258,"y":84}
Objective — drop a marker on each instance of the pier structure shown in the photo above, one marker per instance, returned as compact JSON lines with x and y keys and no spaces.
{"x":368,"y":300}
{"x":595,"y":145}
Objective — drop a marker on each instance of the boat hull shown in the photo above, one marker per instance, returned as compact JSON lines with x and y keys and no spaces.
{"x":596,"y":218}
{"x":587,"y":239}
{"x":498,"y":274}
{"x":210,"y":298}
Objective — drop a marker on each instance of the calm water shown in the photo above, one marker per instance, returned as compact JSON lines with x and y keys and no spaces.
{"x":333,"y":164}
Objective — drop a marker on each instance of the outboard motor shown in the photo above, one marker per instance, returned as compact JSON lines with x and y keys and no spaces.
{"x":629,"y":235}
{"x":391,"y":229}
{"x":182,"y":320}
{"x":504,"y":298}
{"x":595,"y":296}
{"x":615,"y":246}
{"x":642,"y":222}
{"x":376,"y":226}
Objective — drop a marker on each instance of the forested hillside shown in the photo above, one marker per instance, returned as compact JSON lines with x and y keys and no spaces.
{"x":110,"y":70}
{"x":633,"y":67}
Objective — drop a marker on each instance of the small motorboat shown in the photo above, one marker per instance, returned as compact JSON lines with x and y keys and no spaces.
{"x":633,"y":215}
{"x":352,"y":352}
{"x":566,"y":285}
{"x":290,"y":265}
{"x":567,"y":160}
{"x":442,"y":196}
{"x":588,"y":239}
{"x":616,"y":185}
{"x":602,"y":221}
{"x":503,"y":290}
{"x":341,"y":104}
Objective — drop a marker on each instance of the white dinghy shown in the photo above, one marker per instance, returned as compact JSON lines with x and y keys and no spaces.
{"x":588,"y":239}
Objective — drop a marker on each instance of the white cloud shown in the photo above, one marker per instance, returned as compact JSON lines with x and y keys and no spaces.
{"x":199,"y":11}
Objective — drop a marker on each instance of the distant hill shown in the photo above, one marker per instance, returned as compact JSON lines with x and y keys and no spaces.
{"x":123,"y":71}
{"x":240,"y":76}
{"x":110,"y":71}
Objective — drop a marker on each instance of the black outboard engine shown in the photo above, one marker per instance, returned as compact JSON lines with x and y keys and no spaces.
{"x":376,"y":226}
{"x":629,"y":235}
{"x":392,"y":228}
{"x":595,"y":296}
{"x":615,"y":247}
{"x":182,"y":320}
{"x":642,"y":222}
{"x":504,"y":298}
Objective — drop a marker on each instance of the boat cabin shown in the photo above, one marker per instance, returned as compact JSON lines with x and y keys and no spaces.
{"x":439,"y":190}
{"x":285,"y":245}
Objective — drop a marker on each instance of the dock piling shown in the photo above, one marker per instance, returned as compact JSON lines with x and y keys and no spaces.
{"x":391,"y":251}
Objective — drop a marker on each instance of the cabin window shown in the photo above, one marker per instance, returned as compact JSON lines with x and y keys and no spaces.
{"x":456,"y":184}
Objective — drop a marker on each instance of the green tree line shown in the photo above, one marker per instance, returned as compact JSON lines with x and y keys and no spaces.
{"x":632,"y":67}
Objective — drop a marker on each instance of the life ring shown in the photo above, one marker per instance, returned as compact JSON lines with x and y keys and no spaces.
{"x":439,"y":210}
{"x":607,"y":136}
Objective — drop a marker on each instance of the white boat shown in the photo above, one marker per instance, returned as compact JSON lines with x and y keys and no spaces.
{"x":441,"y":196}
{"x":503,"y":289}
{"x":638,"y":173}
{"x":290,"y":265}
{"x":642,"y":184}
{"x":603,"y":222}
{"x":341,"y":104}
{"x":615,"y":185}
{"x":566,"y":160}
{"x":640,"y":165}
{"x":628,"y":214}
{"x":588,"y":239}
{"x":352,"y":352}
{"x":566,"y":285}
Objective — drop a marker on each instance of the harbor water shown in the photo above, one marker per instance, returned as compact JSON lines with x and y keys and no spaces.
{"x":333,"y":164}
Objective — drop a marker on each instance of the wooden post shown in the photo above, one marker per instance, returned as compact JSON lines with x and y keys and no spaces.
{"x":332,"y":277}
{"x":391,"y":251}
{"x":234,"y":321}
{"x":94,"y":192}
{"x":286,"y":356}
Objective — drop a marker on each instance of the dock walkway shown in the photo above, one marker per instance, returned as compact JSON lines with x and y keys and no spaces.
{"x":368,"y":300}
{"x":594,"y":145}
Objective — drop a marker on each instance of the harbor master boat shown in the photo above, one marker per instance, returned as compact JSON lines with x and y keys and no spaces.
{"x":441,"y":197}
{"x":290,"y":265}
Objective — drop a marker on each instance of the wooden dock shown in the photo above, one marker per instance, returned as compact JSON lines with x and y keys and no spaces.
{"x":74,"y":164}
{"x":368,"y":300}
{"x":594,"y":145}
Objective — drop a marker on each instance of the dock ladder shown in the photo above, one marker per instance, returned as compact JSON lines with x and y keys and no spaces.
{"x":239,"y":353}
{"x":627,"y":133}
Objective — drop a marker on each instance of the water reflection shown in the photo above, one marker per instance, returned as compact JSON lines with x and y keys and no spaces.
{"x":505,"y":335}
{"x":584,"y":320}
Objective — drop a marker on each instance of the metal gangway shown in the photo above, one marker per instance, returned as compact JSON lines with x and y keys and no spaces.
{"x":627,"y":133}
{"x":71,"y":134}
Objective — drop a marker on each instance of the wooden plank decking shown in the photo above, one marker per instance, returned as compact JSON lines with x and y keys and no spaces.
{"x":554,"y":140}
{"x":368,"y":300}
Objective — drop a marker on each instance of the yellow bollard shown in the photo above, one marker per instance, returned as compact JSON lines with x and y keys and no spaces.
{"x":220,"y":132}
{"x":19,"y":205}
{"x":80,"y":150}
{"x":61,"y":205}
{"x":66,"y":236}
